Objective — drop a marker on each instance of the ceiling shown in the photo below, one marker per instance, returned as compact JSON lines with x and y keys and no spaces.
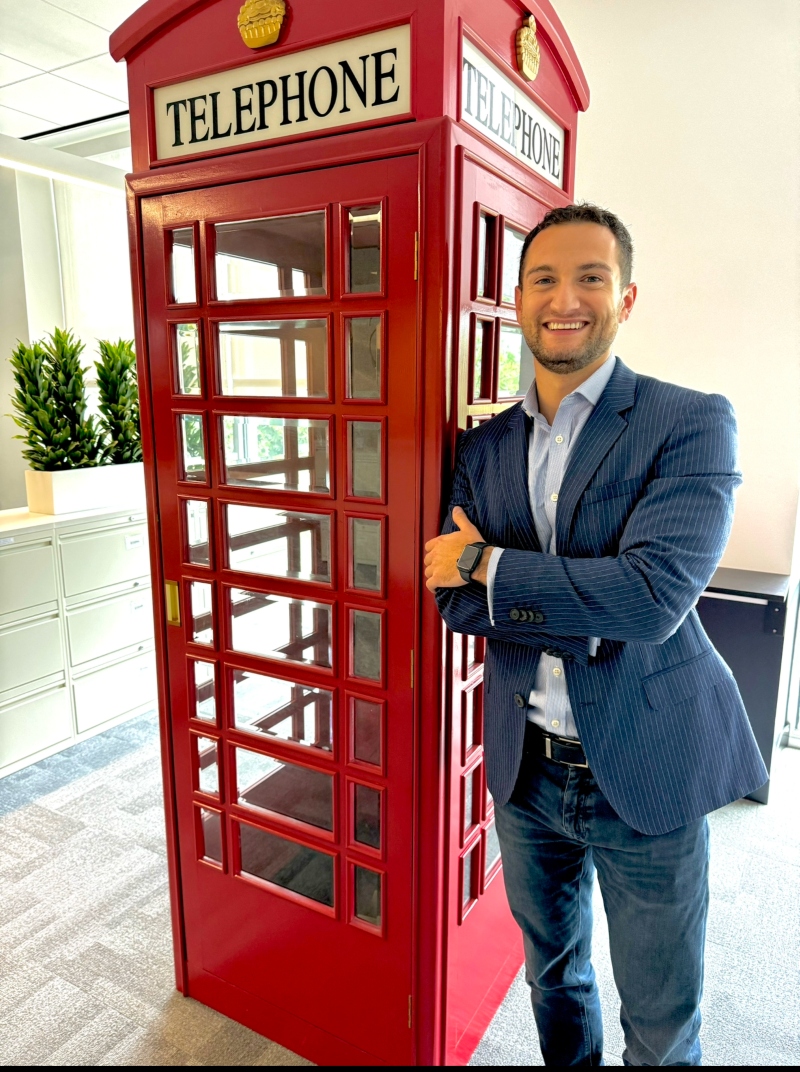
{"x":55,"y":69}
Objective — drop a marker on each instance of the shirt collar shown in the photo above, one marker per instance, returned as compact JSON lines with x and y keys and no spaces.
{"x":590,"y":389}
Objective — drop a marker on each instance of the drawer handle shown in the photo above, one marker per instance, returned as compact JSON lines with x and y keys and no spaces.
{"x":172,"y":598}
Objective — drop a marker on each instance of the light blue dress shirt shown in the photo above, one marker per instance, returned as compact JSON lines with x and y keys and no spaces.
{"x":549,"y":449}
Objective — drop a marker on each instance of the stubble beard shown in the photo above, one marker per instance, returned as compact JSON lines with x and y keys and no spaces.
{"x":564,"y":362}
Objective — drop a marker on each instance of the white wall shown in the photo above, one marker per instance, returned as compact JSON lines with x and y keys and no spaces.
{"x":692,"y":137}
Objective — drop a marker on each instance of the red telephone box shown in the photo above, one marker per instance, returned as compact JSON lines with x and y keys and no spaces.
{"x":326,"y":213}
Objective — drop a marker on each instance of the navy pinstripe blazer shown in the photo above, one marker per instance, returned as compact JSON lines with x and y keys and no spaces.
{"x":644,"y":513}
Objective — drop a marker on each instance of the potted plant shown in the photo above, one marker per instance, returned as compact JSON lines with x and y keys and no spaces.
{"x":77,"y":462}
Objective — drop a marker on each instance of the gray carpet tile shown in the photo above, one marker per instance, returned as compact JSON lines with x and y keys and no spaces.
{"x":86,"y":971}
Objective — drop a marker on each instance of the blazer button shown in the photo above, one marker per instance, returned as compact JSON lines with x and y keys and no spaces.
{"x":514,"y":615}
{"x":538,"y":617}
{"x":519,"y":699}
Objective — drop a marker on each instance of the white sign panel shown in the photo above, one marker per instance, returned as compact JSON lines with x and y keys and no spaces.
{"x":354,"y":81}
{"x":492,"y":104}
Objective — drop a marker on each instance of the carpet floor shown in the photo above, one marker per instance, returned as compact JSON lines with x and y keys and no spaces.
{"x":86,"y":975}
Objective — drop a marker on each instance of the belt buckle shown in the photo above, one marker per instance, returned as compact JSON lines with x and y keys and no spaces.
{"x":548,"y":751}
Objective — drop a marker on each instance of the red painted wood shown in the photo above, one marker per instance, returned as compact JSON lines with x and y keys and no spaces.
{"x":305,"y":976}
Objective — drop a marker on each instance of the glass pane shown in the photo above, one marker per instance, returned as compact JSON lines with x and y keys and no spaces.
{"x":368,"y":896}
{"x":282,"y":257}
{"x":186,"y":345}
{"x":470,"y":736}
{"x":275,"y":785}
{"x":365,"y":249}
{"x":193,"y":448}
{"x":182,"y":274}
{"x":483,"y":226}
{"x":492,"y":847}
{"x":365,"y":459}
{"x":482,"y":361}
{"x":196,"y":522}
{"x":471,"y":799}
{"x":365,"y":548}
{"x":366,"y":644}
{"x":274,"y":358}
{"x":470,"y":865}
{"x":515,"y":366}
{"x":208,"y":766}
{"x":280,"y":453}
{"x":205,"y":703}
{"x":279,"y":627}
{"x":282,"y":709}
{"x":512,"y":249}
{"x":363,"y":341}
{"x":279,"y":543}
{"x":470,"y":651}
{"x":202,"y":613}
{"x":287,"y":864}
{"x":211,"y":827}
{"x":367,"y":731}
{"x":367,"y":822}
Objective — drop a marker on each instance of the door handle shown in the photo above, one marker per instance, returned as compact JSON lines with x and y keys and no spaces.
{"x":172,"y":600}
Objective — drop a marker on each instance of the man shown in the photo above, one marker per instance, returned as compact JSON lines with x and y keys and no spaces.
{"x":600,"y":507}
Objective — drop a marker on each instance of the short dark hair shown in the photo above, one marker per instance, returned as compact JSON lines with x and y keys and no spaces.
{"x":585,"y":212}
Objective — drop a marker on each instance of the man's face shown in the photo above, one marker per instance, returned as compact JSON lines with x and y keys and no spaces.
{"x":572,"y":301}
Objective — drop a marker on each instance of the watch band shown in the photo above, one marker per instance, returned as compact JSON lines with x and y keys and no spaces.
{"x":466,"y":573}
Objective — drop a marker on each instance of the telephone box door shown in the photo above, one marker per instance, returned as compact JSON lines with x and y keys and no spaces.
{"x":282,"y":331}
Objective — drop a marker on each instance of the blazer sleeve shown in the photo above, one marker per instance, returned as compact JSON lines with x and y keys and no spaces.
{"x":465,"y":609}
{"x":668,"y":551}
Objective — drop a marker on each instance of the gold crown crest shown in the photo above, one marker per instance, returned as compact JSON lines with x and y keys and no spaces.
{"x":260,"y":22}
{"x":528,"y":55}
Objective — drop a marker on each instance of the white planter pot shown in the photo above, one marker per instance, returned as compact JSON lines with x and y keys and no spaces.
{"x":71,"y":491}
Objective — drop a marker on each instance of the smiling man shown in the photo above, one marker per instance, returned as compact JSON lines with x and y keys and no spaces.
{"x":585,"y":521}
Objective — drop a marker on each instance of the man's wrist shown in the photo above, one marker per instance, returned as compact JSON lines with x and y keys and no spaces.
{"x":481,"y":570}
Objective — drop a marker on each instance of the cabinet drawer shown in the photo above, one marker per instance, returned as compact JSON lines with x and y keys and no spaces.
{"x":30,"y":652}
{"x":113,"y":691}
{"x":29,"y":726}
{"x":27,"y":580}
{"x":96,"y":560}
{"x":105,"y":628}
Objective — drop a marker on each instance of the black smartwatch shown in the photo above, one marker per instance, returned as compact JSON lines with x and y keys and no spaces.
{"x":468,"y":560}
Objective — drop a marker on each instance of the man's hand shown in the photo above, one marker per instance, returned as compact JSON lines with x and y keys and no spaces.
{"x":443,"y":553}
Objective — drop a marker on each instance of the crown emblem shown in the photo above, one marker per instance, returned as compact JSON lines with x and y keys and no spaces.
{"x":260,"y":22}
{"x":528,"y":54}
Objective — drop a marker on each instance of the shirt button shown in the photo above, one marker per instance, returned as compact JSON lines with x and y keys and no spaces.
{"x":555,"y":723}
{"x":559,"y":439}
{"x":556,"y":671}
{"x":554,"y":497}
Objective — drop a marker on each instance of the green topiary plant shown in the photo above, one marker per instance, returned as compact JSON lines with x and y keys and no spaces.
{"x":50,"y":404}
{"x":119,"y":400}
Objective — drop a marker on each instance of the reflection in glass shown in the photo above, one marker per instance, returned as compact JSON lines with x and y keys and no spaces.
{"x":279,"y":543}
{"x":470,"y":864}
{"x":205,"y":704}
{"x":196,"y":521}
{"x":366,"y":731}
{"x":287,"y":864}
{"x":193,"y":449}
{"x":186,"y":347}
{"x":515,"y":363}
{"x":482,"y":361}
{"x":275,"y":785}
{"x":485,"y":236}
{"x":365,"y":459}
{"x":208,"y":766}
{"x":363,"y":342}
{"x":512,"y":250}
{"x":274,"y":358}
{"x":202,"y":613}
{"x":280,"y":627}
{"x":367,"y":819}
{"x":366,"y":644}
{"x":367,"y":896}
{"x":282,"y":709}
{"x":365,"y":548}
{"x":211,"y":828}
{"x":182,"y":273}
{"x":277,"y":453}
{"x":365,"y":249}
{"x":492,"y":847}
{"x":471,"y":789}
{"x":281,"y":257}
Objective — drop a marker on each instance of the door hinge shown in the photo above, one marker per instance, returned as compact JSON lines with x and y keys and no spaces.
{"x":172,"y":601}
{"x":412,"y":668}
{"x":409,"y":1012}
{"x":416,"y":254}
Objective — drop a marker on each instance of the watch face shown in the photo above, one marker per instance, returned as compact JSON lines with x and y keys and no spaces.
{"x":469,"y":557}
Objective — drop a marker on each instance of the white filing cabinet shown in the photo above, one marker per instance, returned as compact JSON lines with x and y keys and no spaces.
{"x":76,"y":629}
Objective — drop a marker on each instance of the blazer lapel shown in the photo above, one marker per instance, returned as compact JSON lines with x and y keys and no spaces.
{"x":599,"y":434}
{"x":513,"y":448}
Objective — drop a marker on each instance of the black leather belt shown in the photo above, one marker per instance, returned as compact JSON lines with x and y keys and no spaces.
{"x":562,"y":750}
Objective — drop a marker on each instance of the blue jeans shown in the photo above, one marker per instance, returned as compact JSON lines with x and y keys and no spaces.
{"x":554,"y":832}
